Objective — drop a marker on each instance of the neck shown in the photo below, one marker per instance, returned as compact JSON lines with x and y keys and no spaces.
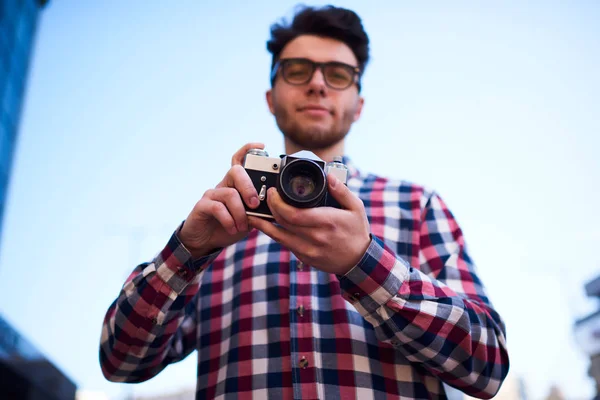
{"x":325,"y":154}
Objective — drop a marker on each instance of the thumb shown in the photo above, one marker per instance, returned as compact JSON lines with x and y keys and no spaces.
{"x":342,"y":194}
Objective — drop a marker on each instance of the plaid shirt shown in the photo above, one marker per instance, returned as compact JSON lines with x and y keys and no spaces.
{"x":410,"y":315}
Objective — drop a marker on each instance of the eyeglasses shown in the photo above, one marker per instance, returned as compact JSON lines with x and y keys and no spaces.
{"x":299,"y":71}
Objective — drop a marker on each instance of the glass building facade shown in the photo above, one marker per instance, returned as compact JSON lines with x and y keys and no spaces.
{"x":24,"y":372}
{"x":18,"y":25}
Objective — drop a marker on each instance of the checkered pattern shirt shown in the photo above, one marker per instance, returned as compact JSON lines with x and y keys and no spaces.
{"x":409,"y":317}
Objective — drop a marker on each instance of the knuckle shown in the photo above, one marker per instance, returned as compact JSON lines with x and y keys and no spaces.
{"x":312,"y":252}
{"x":217,"y":207}
{"x":200,"y":205}
{"x":208,"y":194}
{"x":230,"y":193}
{"x":236,"y":170}
{"x":319,"y":238}
{"x":229,"y":176}
{"x":294,"y":218}
{"x":238,"y":156}
{"x":329,"y":224}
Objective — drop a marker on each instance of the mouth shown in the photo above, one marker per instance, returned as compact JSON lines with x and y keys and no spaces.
{"x":315,"y":110}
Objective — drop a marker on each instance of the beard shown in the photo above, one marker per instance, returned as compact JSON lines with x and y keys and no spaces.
{"x":311,"y":135}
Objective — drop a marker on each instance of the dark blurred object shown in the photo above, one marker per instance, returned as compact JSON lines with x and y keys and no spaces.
{"x":594,"y":372}
{"x":587,"y":332}
{"x":555,"y":394}
{"x":18,"y":26}
{"x":25,"y":374}
{"x":592,"y":289}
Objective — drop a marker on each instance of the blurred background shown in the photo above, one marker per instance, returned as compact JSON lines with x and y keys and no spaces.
{"x":117,"y":116}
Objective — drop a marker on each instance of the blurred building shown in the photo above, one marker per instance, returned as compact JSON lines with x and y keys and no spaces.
{"x":18,"y":26}
{"x":587,"y":333}
{"x":25,"y":374}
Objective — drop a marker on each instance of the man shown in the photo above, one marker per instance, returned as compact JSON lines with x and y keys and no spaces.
{"x":378,"y":299}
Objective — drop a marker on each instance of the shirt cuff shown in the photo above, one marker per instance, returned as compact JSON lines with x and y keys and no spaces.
{"x":375,"y":279}
{"x":175,"y":265}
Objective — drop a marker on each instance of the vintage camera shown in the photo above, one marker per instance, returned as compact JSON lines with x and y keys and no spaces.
{"x":300,"y":179}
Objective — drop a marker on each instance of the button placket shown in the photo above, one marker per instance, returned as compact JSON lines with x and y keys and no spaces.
{"x":305,"y":380}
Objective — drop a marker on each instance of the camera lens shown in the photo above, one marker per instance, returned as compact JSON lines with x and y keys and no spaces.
{"x":302,"y":183}
{"x":302,"y":186}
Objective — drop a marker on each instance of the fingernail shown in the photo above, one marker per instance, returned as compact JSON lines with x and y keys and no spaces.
{"x":333,"y":180}
{"x":254,"y":201}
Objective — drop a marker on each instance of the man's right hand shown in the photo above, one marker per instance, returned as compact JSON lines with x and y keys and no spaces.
{"x":219,"y":218}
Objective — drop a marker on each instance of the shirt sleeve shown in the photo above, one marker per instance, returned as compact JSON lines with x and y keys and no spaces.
{"x":153,"y":323}
{"x":442,"y":319}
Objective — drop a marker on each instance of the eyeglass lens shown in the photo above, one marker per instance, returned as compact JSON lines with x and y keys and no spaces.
{"x":301,"y":71}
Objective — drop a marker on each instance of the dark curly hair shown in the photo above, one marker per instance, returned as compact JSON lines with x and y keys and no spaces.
{"x":328,"y":21}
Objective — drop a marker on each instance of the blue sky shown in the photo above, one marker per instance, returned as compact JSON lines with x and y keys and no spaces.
{"x":134,"y":108}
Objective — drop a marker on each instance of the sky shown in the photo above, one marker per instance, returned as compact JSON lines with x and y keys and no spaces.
{"x":134,"y":109}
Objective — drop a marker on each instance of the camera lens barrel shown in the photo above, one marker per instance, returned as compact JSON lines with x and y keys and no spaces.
{"x":302,"y":183}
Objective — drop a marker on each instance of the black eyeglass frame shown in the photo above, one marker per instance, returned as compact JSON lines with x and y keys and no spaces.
{"x":280,"y":64}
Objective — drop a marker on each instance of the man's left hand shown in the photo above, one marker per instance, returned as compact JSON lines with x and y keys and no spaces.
{"x":327,"y":238}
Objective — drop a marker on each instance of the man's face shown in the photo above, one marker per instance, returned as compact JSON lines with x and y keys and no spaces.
{"x":313,"y":115}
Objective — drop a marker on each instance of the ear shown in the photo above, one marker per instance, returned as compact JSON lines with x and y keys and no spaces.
{"x":359,"y":107}
{"x":269,"y":97}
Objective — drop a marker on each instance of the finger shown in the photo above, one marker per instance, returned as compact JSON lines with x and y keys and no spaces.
{"x":238,"y":178}
{"x":238,"y":157}
{"x":278,"y":234}
{"x":288,"y":215}
{"x":308,"y":224}
{"x":298,"y":217}
{"x":342,"y":194}
{"x":220,"y":212}
{"x":233,"y":202}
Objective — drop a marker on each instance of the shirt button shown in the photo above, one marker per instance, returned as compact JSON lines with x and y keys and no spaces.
{"x":300,"y":310}
{"x":303,"y":363}
{"x":183,"y":273}
{"x":300,"y":266}
{"x":354,"y":297}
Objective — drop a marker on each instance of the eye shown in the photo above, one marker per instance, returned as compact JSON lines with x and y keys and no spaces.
{"x":338,"y":74}
{"x":297,"y":70}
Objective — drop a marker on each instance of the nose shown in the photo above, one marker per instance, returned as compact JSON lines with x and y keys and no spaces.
{"x":317,"y":85}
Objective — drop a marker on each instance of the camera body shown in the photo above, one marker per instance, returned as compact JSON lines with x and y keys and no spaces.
{"x":300,"y":179}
